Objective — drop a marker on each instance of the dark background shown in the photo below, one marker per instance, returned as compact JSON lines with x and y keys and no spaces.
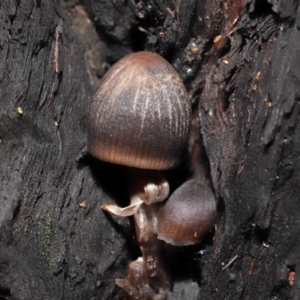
{"x":239,"y":61}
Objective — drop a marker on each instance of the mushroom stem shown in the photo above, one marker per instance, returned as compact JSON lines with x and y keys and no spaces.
{"x":146,"y":230}
{"x":147,"y":277}
{"x":153,"y":188}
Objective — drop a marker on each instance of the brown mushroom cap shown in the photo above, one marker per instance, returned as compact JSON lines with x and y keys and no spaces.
{"x":188,"y":215}
{"x":140,"y":115}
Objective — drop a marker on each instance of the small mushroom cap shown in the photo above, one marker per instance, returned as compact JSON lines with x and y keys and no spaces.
{"x":188,"y":215}
{"x":140,"y":115}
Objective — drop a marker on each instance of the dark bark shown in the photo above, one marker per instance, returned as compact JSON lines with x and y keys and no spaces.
{"x":55,"y":242}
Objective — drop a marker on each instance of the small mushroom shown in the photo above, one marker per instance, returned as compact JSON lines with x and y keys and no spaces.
{"x":188,"y":215}
{"x":140,"y":115}
{"x":140,"y":118}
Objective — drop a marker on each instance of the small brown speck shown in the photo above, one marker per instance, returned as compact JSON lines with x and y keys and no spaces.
{"x":240,"y":170}
{"x":234,"y":21}
{"x":217,"y":39}
{"x":251,"y":268}
{"x":257,"y":76}
{"x":141,"y":15}
{"x":142,"y":29}
{"x":194,"y":48}
{"x":82,"y":204}
{"x":292,"y":275}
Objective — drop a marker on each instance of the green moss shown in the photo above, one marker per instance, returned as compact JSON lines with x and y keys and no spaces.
{"x":46,"y":235}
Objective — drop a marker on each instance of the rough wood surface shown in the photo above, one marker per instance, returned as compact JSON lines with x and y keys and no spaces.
{"x":240,"y":63}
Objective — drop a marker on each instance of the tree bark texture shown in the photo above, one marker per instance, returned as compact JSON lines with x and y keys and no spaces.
{"x":239,"y":60}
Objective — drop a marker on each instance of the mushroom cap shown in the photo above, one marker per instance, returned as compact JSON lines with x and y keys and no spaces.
{"x":188,"y":215}
{"x":140,"y":115}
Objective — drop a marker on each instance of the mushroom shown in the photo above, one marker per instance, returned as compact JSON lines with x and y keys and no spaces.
{"x":188,"y":215}
{"x":140,"y":118}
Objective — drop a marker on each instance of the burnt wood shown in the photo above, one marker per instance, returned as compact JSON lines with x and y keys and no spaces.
{"x":239,"y":61}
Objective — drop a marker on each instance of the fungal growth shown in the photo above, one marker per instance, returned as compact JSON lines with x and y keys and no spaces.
{"x":188,"y":215}
{"x":140,"y":115}
{"x":140,"y":118}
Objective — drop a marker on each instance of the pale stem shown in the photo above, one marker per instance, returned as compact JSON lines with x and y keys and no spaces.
{"x":147,"y":278}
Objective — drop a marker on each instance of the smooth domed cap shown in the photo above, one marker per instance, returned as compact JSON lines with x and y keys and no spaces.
{"x":140,"y":115}
{"x":188,"y":215}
